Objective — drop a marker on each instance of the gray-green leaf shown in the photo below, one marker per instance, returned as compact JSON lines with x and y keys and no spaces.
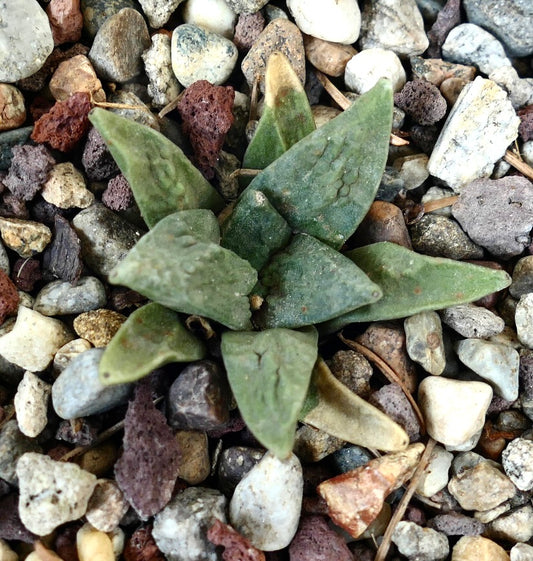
{"x":325,"y":183}
{"x":309,"y":282}
{"x":151,"y":337}
{"x":162,"y":178}
{"x":413,"y":283}
{"x":189,"y":275}
{"x":269,"y":374}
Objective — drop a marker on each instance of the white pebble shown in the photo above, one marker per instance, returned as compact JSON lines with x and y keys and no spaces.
{"x":517,"y":462}
{"x":31,"y":404}
{"x":365,"y":68}
{"x":524,"y":320}
{"x":65,"y":188}
{"x":158,"y":12}
{"x":213,"y":15}
{"x":107,"y":506}
{"x":435,"y":477}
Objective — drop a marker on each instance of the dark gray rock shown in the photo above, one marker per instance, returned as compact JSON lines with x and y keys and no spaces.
{"x":95,"y":12}
{"x":13,"y":444}
{"x":350,"y":457}
{"x":522,"y":277}
{"x":235,"y":462}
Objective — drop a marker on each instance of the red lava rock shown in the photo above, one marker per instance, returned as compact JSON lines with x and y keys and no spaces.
{"x":422,"y":101}
{"x":248,"y":29}
{"x":141,"y":546}
{"x":66,"y":20}
{"x":236,"y":547}
{"x":207,"y":116}
{"x":97,"y":161}
{"x":25,"y":273}
{"x":11,"y":527}
{"x":316,"y":541}
{"x":118,"y":195}
{"x":447,"y":18}
{"x":525,"y":130}
{"x":62,"y":257}
{"x":9,"y":297}
{"x":28,"y":170}
{"x":65,"y":124}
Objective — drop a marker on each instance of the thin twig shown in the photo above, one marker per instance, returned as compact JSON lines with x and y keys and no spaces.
{"x":171,"y":105}
{"x":109,"y":105}
{"x":244,"y":172}
{"x":518,"y":163}
{"x":440,"y":203}
{"x":402,"y":505}
{"x":252,"y":115}
{"x":388,"y":372}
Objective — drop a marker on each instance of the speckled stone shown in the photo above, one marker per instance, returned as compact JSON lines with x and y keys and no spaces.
{"x":77,"y":391}
{"x":422,"y":544}
{"x":517,"y":461}
{"x":515,"y":526}
{"x":412,"y":170}
{"x":246,"y":6}
{"x":76,"y":74}
{"x":106,"y":506}
{"x":65,"y":187}
{"x":12,"y":109}
{"x":456,"y":524}
{"x":26,"y":237}
{"x":31,"y":404}
{"x":13,"y":444}
{"x":472,"y":321}
{"x":312,"y":445}
{"x":424,"y":342}
{"x":522,"y":277}
{"x":62,"y":297}
{"x":235,"y":462}
{"x":95,"y":12}
{"x":195,"y":464}
{"x":67,"y":352}
{"x":349,"y":458}
{"x":435,"y":477}
{"x":158,"y":12}
{"x":98,"y":326}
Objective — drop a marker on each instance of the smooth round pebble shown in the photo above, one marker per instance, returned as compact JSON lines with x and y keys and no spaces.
{"x":198,"y":54}
{"x":435,"y":477}
{"x":516,"y":526}
{"x":517,"y":462}
{"x":246,"y":6}
{"x":266,"y":504}
{"x":478,"y":548}
{"x":521,"y":552}
{"x":68,"y":351}
{"x":235,"y":462}
{"x":95,"y":12}
{"x":524,"y":320}
{"x":422,"y":544}
{"x":214,"y":15}
{"x":31,"y":404}
{"x":12,"y":107}
{"x":367,"y":67}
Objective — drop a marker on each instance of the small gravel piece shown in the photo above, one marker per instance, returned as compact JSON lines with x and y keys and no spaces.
{"x":106,"y":506}
{"x":213,"y":15}
{"x":412,"y":170}
{"x":435,"y":478}
{"x":13,"y":444}
{"x":246,"y":6}
{"x":65,"y":187}
{"x":522,"y":277}
{"x":456,"y":524}
{"x":10,"y":139}
{"x":118,"y":194}
{"x":98,"y":326}
{"x":478,"y":548}
{"x":420,"y":544}
{"x":24,"y":236}
{"x":517,"y":461}
{"x":96,"y":159}
{"x":521,"y":552}
{"x":9,"y":298}
{"x":312,"y":445}
{"x":62,"y":258}
{"x":524,"y":320}
{"x":12,"y":107}
{"x":520,"y":90}
{"x":66,"y":20}
{"x":350,"y":457}
{"x":73,"y":75}
{"x":248,"y":29}
{"x":516,"y":526}
{"x":353,"y":370}
{"x":365,"y":68}
{"x":195,"y":464}
{"x":424,"y":342}
{"x":158,"y":12}
{"x":31,"y":404}
{"x":472,"y":321}
{"x":422,"y":101}
{"x":235,"y":462}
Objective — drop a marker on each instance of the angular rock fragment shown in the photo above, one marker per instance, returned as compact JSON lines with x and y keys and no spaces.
{"x":235,"y":545}
{"x":9,"y":298}
{"x":62,"y":258}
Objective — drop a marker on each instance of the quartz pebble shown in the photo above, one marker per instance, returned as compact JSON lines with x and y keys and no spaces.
{"x":34,"y":340}
{"x":524,"y":320}
{"x":158,"y":12}
{"x":470,"y":320}
{"x":266,"y":504}
{"x":454,"y":410}
{"x":180,"y":528}
{"x":330,"y":20}
{"x":477,"y":548}
{"x":31,"y":404}
{"x":26,"y":237}
{"x":77,"y":392}
{"x":435,"y":477}
{"x":163,"y":87}
{"x":521,"y":552}
{"x":364,"y":70}
{"x":516,"y":526}
{"x":520,"y":90}
{"x":26,"y":40}
{"x":93,"y":544}
{"x":117,"y":48}
{"x":12,"y":110}
{"x":13,"y":445}
{"x":51,"y":493}
{"x":517,"y":461}
{"x":195,"y":465}
{"x":198,"y":54}
{"x":213,"y":15}
{"x":328,"y":57}
{"x":393,"y":24}
{"x":480,"y":126}
{"x":65,"y":187}
{"x":106,"y":506}
{"x":412,"y":169}
{"x":76,"y":74}
{"x":98,"y":326}
{"x":424,"y":342}
{"x":62,"y":297}
{"x":420,"y":544}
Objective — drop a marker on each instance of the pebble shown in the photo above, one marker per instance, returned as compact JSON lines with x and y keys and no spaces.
{"x":95,"y":12}
{"x":198,"y":54}
{"x":195,"y":465}
{"x":180,"y":528}
{"x":435,"y":477}
{"x":12,"y":109}
{"x":367,"y":67}
{"x":451,"y":88}
{"x":393,"y":24}
{"x":98,"y":326}
{"x":435,"y":194}
{"x":454,"y":410}
{"x":139,"y":111}
{"x":477,"y":548}
{"x":471,"y":45}
{"x":11,"y":138}
{"x":93,"y":544}
{"x":498,"y":364}
{"x":326,"y":56}
{"x":77,"y":391}
{"x":235,"y":462}
{"x":76,"y":74}
{"x":521,"y":552}
{"x":4,"y":260}
{"x":248,"y":29}
{"x":266,"y":504}
{"x":51,"y":493}
{"x":420,"y":544}
{"x":516,"y":526}
{"x":214,"y":15}
{"x":441,"y":236}
{"x":527,"y":152}
{"x":412,"y":170}
{"x":31,"y":404}
{"x":524,"y":320}
{"x":480,"y":126}
{"x":482,"y":487}
{"x":105,"y":237}
{"x":330,"y":20}
{"x":424,"y":342}
{"x":497,"y":214}
{"x":246,"y":6}
{"x":520,"y":90}
{"x":349,"y":458}
{"x":456,"y":524}
{"x":436,"y":70}
{"x":25,"y":237}
{"x":34,"y":340}
{"x":522,"y":277}
{"x":65,"y":187}
{"x":6,"y":553}
{"x":512,"y":25}
{"x":472,"y":321}
{"x":106,"y":506}
{"x":312,"y":445}
{"x":13,"y":445}
{"x":158,"y":12}
{"x":279,"y":35}
{"x":26,"y":40}
{"x":99,"y":459}
{"x":66,"y":20}
{"x":517,"y":462}
{"x":384,"y":221}
{"x":67,"y":352}
{"x":163,"y":87}
{"x":118,"y":45}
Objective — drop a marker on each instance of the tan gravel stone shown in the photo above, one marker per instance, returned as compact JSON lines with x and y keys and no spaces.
{"x":73,"y":75}
{"x":24,"y":236}
{"x":477,"y":548}
{"x":12,"y":109}
{"x":98,"y":326}
{"x":330,"y":58}
{"x":65,"y":187}
{"x":66,"y":20}
{"x":195,"y":465}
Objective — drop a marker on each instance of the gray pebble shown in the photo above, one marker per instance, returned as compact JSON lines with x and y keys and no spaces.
{"x":26,"y":39}
{"x":353,"y":370}
{"x":246,"y":6}
{"x":524,"y":320}
{"x":13,"y":444}
{"x":8,"y":139}
{"x":62,"y":297}
{"x":467,"y":460}
{"x":516,"y":526}
{"x":118,"y":46}
{"x":471,"y":45}
{"x":522,"y":277}
{"x":180,"y":528}
{"x":51,"y":493}
{"x":235,"y":462}
{"x":520,"y":89}
{"x":158,"y":12}
{"x":420,"y":544}
{"x":78,"y":392}
{"x":412,"y":169}
{"x":350,"y":457}
{"x":471,"y":321}
{"x":517,"y":462}
{"x":512,"y":22}
{"x":440,"y":236}
{"x":140,"y":112}
{"x":31,"y":404}
{"x":456,"y":524}
{"x":95,"y":12}
{"x":424,"y":341}
{"x":312,"y":445}
{"x":105,"y":237}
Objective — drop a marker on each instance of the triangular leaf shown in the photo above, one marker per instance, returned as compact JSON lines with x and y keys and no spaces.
{"x":309,"y":282}
{"x":413,"y":283}
{"x":188,"y":275}
{"x":151,"y":337}
{"x":162,"y":178}
{"x":325,"y":184}
{"x":286,"y":118}
{"x":269,"y":374}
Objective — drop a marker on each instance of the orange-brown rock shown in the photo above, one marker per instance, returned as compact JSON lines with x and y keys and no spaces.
{"x":66,"y":20}
{"x":12,"y":110}
{"x":76,"y":75}
{"x":384,"y":222}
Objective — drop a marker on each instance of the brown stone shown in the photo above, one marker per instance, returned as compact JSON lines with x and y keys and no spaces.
{"x":323,"y":114}
{"x":477,"y":548}
{"x":384,"y":222}
{"x":76,"y":75}
{"x":447,"y":19}
{"x":98,"y":326}
{"x":12,"y":110}
{"x":436,"y":70}
{"x":451,"y":88}
{"x":66,"y":20}
{"x":100,"y":459}
{"x":356,"y":498}
{"x":195,"y":465}
{"x":248,"y":29}
{"x":330,"y":58}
